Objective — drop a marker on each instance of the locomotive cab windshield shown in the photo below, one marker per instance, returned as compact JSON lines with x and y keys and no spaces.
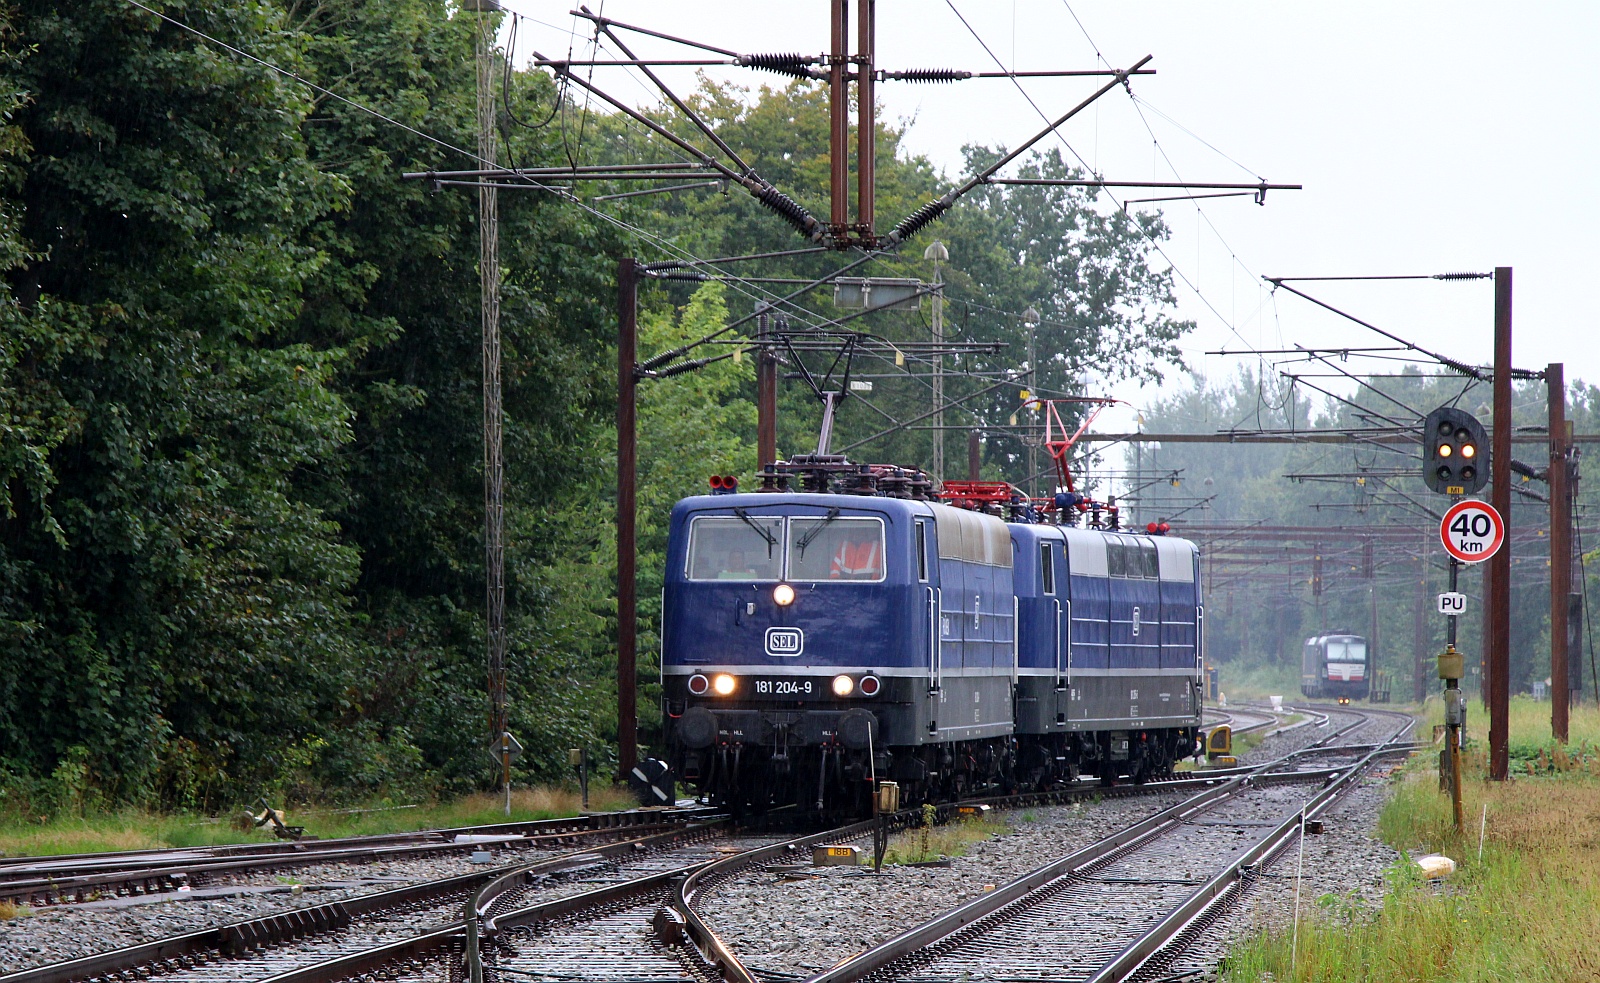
{"x":799,"y":548}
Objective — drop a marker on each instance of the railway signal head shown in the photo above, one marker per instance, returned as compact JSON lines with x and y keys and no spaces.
{"x":1454,"y":452}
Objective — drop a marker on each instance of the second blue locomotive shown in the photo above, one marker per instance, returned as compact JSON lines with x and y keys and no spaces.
{"x":814,"y":641}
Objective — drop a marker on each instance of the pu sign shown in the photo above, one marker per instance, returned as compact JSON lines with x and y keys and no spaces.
{"x":1472,"y":531}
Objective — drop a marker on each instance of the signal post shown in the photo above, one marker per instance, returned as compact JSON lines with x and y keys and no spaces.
{"x":1471,"y":531}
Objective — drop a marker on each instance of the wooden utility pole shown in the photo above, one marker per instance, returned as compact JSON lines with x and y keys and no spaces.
{"x":974,"y":455}
{"x":627,"y":475}
{"x":1499,"y":565}
{"x":1560,"y":548}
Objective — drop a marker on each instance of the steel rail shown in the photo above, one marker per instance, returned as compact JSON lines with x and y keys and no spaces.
{"x":935,"y":929}
{"x":535,"y":827}
{"x":481,"y":923}
{"x":417,"y":947}
{"x":1147,"y":830}
{"x":1222,"y":886}
{"x":45,"y":883}
{"x":711,"y":947}
{"x":258,"y":933}
{"x":239,"y":938}
{"x":46,"y":880}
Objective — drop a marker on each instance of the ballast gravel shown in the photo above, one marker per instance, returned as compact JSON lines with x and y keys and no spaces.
{"x":60,"y":932}
{"x":785,"y":926}
{"x":1342,"y":875}
{"x":788,"y":927}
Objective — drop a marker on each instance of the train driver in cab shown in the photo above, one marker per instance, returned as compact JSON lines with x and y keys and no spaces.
{"x":738,"y":567}
{"x":857,"y":560}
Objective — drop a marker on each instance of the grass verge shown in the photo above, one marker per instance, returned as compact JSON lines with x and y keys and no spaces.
{"x":1527,"y":909}
{"x":929,"y":842}
{"x":138,"y":830}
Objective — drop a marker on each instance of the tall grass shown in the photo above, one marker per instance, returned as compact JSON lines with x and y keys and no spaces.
{"x":1529,"y":909}
{"x":137,"y":830}
{"x":1240,"y":682}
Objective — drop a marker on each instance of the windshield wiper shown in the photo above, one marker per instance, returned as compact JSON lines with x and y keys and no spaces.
{"x":805,"y":540}
{"x":764,"y":534}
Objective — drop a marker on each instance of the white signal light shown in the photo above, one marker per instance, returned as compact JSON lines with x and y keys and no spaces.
{"x":723,"y":684}
{"x":783,"y":595}
{"x":843,"y":686}
{"x":1468,"y":450}
{"x":1445,"y":450}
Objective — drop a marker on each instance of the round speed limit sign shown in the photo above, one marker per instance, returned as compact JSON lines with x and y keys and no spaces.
{"x":1472,"y":531}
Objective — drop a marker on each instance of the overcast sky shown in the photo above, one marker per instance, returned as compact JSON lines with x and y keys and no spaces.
{"x":1430,"y":137}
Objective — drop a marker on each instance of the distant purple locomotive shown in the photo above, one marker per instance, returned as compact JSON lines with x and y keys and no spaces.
{"x":1334,"y":666}
{"x":815,"y":640}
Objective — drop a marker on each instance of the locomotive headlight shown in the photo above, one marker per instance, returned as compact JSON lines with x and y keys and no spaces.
{"x":783,"y":595}
{"x":722,"y":684}
{"x":843,"y":686}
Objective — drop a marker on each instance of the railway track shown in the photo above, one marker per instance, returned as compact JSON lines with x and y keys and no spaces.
{"x":645,"y":917}
{"x":1123,"y":907}
{"x":300,"y":943}
{"x":47,"y":881}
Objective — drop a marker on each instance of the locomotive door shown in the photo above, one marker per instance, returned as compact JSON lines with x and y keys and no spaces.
{"x":1064,"y":625}
{"x":928,"y":576}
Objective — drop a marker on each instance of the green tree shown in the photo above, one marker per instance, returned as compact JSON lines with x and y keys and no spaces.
{"x":161,"y":577}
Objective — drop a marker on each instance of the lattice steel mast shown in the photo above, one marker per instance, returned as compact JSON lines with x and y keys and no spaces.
{"x":494,"y":554}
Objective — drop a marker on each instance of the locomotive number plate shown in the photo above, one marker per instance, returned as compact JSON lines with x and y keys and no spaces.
{"x":786,"y":686}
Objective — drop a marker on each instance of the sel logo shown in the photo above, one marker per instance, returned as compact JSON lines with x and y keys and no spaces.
{"x":785,"y":641}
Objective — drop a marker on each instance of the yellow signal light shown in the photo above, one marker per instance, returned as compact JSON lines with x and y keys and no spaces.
{"x":1468,"y":450}
{"x":1445,"y":450}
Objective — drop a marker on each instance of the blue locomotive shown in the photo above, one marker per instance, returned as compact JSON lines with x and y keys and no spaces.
{"x":815,"y":640}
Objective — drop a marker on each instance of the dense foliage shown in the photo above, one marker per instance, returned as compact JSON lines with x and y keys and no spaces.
{"x":240,"y":405}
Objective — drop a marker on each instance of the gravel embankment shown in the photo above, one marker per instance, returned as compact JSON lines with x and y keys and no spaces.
{"x":784,"y":925}
{"x":1347,"y":860}
{"x":789,"y":927}
{"x":53,"y":934}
